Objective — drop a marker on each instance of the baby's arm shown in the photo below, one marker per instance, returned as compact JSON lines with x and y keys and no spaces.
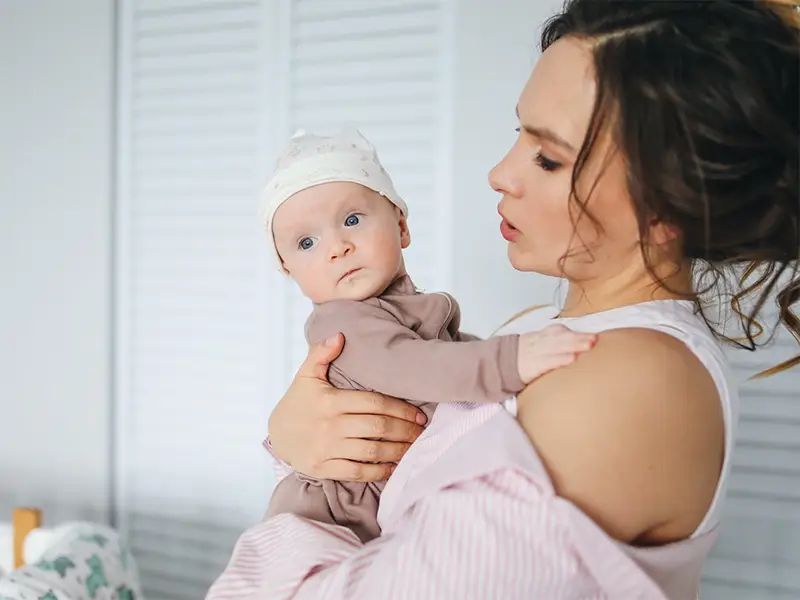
{"x":383,"y":355}
{"x":462,"y":336}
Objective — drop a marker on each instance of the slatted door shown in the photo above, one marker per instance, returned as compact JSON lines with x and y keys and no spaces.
{"x":380,"y":66}
{"x":758,"y":554}
{"x":208,"y":333}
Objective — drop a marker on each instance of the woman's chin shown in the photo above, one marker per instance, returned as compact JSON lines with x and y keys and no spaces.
{"x":529,"y":262}
{"x":519,"y":259}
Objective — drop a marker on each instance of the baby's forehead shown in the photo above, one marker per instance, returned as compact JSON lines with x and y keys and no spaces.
{"x":322,"y":203}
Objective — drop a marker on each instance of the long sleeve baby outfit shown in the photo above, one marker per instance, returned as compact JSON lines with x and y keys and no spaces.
{"x":408,"y":345}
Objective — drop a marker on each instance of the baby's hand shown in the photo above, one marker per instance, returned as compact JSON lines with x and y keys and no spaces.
{"x":548,"y":349}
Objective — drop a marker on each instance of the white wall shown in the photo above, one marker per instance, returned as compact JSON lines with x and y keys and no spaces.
{"x":496,"y":47}
{"x":56,"y":62}
{"x":56,"y":65}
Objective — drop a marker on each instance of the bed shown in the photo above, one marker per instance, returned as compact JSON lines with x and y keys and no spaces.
{"x":72,"y":561}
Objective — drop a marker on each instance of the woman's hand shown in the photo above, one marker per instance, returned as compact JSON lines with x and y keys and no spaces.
{"x":327,"y":433}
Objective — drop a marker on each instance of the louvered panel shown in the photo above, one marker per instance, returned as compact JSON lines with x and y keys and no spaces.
{"x":309,"y":10}
{"x":145,"y":8}
{"x":155,"y":87}
{"x":367,"y":23}
{"x":184,"y":65}
{"x":416,"y":112}
{"x":198,"y":42}
{"x":766,"y":456}
{"x":377,"y":66}
{"x":326,"y":51}
{"x":720,"y":589}
{"x":212,"y":101}
{"x":195,"y":375}
{"x":773,"y":405}
{"x":758,"y":554}
{"x":177,"y":555}
{"x":760,"y":577}
{"x":403,"y":68}
{"x":163,"y":203}
{"x":768,"y":483}
{"x":758,"y":430}
{"x":224,"y":123}
{"x":746,"y":505}
{"x":176,"y":24}
{"x":367,"y":92}
{"x":186,"y":165}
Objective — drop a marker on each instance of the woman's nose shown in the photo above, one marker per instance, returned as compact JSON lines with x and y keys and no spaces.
{"x":503,"y":179}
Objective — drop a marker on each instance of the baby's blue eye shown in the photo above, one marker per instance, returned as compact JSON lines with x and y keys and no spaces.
{"x":351,"y":221}
{"x":306,"y":243}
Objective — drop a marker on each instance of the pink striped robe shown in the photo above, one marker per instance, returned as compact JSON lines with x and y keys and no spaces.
{"x":470,"y":513}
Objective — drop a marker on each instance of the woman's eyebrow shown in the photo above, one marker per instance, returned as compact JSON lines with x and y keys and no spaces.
{"x":547,"y":134}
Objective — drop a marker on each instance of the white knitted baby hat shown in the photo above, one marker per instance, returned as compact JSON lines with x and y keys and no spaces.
{"x":310,"y":160}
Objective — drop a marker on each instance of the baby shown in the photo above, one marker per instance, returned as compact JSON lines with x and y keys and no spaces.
{"x":338,"y":228}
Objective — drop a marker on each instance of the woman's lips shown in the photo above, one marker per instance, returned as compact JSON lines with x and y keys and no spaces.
{"x":507,"y":230}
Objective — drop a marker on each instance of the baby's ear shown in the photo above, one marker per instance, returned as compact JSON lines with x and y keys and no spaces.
{"x":405,"y":233}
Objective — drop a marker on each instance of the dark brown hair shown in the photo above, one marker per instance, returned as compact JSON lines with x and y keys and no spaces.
{"x":702,"y":99}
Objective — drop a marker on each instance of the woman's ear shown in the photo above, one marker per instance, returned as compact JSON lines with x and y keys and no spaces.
{"x":663,"y":233}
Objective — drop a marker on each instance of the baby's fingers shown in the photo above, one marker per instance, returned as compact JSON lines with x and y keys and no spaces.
{"x":563,"y":340}
{"x":554,"y":361}
{"x":551,"y":362}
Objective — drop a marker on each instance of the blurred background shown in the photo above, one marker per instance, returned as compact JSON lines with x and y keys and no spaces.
{"x":144,"y":335}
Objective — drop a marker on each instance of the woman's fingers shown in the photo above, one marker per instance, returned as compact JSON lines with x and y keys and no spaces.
{"x":347,"y":470}
{"x":380,"y":427}
{"x":320,"y":356}
{"x":378,"y":404}
{"x":373,"y":451}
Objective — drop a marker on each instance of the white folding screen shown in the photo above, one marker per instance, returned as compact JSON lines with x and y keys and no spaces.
{"x":758,"y":553}
{"x":378,"y":66}
{"x":208,"y":332}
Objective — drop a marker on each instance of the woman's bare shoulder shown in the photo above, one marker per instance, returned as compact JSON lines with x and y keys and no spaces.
{"x":632,"y":433}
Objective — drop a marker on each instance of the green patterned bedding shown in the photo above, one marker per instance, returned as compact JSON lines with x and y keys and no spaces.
{"x":87,"y":563}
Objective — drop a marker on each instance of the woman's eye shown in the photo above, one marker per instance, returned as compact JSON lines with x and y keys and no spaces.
{"x":306,"y":243}
{"x":352,"y":221}
{"x":545,"y":163}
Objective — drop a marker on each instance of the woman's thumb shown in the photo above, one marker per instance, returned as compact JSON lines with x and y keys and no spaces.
{"x":320,"y":356}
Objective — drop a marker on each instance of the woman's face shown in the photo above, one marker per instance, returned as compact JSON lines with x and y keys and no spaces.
{"x":535,"y":177}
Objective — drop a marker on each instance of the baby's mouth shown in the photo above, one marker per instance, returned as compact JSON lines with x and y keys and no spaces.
{"x":349,"y":273}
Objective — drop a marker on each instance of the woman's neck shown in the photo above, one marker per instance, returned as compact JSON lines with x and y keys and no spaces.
{"x":626,"y":288}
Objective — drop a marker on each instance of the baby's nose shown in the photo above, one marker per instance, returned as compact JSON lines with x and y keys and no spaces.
{"x":340,"y":249}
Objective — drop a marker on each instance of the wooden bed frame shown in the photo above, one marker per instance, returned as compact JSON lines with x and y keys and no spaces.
{"x":24,"y":520}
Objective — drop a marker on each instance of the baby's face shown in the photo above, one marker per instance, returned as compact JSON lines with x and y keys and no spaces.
{"x":340,"y":241}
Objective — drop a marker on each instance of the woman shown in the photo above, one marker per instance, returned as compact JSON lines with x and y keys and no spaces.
{"x":657,"y":148}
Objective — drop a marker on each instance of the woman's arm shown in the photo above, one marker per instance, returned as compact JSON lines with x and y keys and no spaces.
{"x":495,"y":536}
{"x":504,"y":533}
{"x":632,"y":433}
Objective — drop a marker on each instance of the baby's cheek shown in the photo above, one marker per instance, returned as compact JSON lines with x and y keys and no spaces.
{"x":313,"y":282}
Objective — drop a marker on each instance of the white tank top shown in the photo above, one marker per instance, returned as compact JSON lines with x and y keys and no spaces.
{"x":678,"y":319}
